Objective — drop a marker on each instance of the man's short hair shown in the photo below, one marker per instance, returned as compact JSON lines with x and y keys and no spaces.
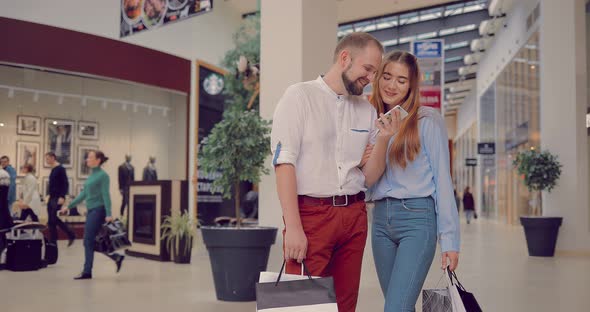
{"x":356,"y":40}
{"x":4,"y":157}
{"x":51,"y":154}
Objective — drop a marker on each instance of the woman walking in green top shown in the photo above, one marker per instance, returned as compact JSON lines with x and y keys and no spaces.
{"x":98,"y":202}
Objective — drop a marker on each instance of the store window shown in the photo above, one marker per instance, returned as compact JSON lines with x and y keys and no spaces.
{"x":465,"y":151}
{"x":517,"y":128}
{"x":487,"y":153}
{"x":69,"y":114}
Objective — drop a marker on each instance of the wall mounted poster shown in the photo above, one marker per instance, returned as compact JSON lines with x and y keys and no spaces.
{"x":140,"y":15}
{"x":59,"y":139}
{"x":27,"y":153}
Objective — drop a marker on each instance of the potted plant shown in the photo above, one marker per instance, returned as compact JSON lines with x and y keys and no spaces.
{"x":540,"y":170}
{"x":237,"y":147}
{"x":178,"y":232}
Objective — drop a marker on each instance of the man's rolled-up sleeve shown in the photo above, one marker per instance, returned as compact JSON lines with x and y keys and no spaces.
{"x":287,"y":128}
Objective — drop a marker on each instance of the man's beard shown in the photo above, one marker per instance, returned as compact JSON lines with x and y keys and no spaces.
{"x":351,"y":86}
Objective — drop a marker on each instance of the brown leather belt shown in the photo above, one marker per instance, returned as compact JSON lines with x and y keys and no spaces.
{"x":336,"y":201}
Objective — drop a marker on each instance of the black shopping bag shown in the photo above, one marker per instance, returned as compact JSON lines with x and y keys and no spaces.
{"x":461,"y":299}
{"x":111,"y":237}
{"x":310,"y":294}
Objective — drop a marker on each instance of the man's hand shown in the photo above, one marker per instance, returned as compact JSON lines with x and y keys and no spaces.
{"x":108,"y":219}
{"x":63,"y":211}
{"x":61,"y":201}
{"x":366,"y":154}
{"x":295,"y":244}
{"x":453,"y":260}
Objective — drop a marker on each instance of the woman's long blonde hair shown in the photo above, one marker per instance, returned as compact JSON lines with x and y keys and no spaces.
{"x":406,"y":145}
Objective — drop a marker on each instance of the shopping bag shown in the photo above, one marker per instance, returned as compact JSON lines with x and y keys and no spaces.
{"x":111,"y":237}
{"x":295,"y":293}
{"x":461,"y":299}
{"x":437,"y":299}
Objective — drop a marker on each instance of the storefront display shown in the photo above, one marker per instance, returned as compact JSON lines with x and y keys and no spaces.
{"x":69,"y":115}
{"x":514,"y":103}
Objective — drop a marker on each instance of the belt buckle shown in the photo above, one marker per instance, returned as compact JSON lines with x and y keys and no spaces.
{"x":334,"y":201}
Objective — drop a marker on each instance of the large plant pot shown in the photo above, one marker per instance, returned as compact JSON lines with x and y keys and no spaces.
{"x":237,"y":257}
{"x":541,"y":234}
{"x":183,"y":255}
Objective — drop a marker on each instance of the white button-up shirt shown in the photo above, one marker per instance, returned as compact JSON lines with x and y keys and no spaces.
{"x":324,"y":136}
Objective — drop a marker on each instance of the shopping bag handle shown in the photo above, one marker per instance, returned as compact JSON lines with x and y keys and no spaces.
{"x":283,"y":268}
{"x":453,"y":277}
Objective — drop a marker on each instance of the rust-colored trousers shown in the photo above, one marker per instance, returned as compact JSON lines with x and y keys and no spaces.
{"x":336,"y":238}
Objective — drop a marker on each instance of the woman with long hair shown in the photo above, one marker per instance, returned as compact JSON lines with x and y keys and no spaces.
{"x":98,"y":202}
{"x":414,"y":202}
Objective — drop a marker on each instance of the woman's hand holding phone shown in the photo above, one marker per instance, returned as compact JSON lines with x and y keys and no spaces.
{"x":389,"y":123}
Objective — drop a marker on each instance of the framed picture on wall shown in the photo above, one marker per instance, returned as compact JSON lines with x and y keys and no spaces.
{"x":83,"y":170}
{"x":28,"y":125}
{"x":45,"y":187}
{"x":59,"y":139}
{"x":27,"y":153}
{"x":87,"y":130}
{"x":71,"y":188}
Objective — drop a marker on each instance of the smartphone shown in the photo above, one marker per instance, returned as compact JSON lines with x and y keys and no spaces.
{"x":402,"y":112}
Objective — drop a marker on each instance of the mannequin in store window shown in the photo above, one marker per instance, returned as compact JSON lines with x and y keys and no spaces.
{"x":149,"y":172}
{"x":126,"y":176}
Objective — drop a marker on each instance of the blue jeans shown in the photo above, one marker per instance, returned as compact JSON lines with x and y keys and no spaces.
{"x":404,"y":236}
{"x":94,"y":221}
{"x":469,"y":215}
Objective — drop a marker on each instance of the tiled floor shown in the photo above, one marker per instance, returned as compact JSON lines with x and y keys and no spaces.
{"x":493,"y":264}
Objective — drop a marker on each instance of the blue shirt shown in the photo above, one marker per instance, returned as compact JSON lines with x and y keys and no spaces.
{"x":428,"y":175}
{"x":12,"y":189}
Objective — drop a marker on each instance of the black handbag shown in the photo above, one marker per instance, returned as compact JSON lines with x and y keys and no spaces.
{"x":111,"y":237}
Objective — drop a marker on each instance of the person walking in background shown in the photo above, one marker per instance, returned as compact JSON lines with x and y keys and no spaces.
{"x":58,"y":189}
{"x":468,"y":204}
{"x":98,"y":202}
{"x":5,"y":219}
{"x":30,"y":204}
{"x":5,"y":163}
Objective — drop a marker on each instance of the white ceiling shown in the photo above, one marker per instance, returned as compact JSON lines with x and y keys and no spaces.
{"x":353,"y":10}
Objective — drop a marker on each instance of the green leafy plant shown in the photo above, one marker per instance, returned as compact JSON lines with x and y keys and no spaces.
{"x":247,"y":44}
{"x":540,"y":171}
{"x":236,"y":147}
{"x":176,"y":228}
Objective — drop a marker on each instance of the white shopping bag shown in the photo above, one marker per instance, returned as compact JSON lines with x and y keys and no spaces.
{"x":456,"y":301}
{"x":271,"y":277}
{"x":277,"y":292}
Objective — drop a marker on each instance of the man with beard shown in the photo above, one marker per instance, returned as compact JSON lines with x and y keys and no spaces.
{"x":320,"y":131}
